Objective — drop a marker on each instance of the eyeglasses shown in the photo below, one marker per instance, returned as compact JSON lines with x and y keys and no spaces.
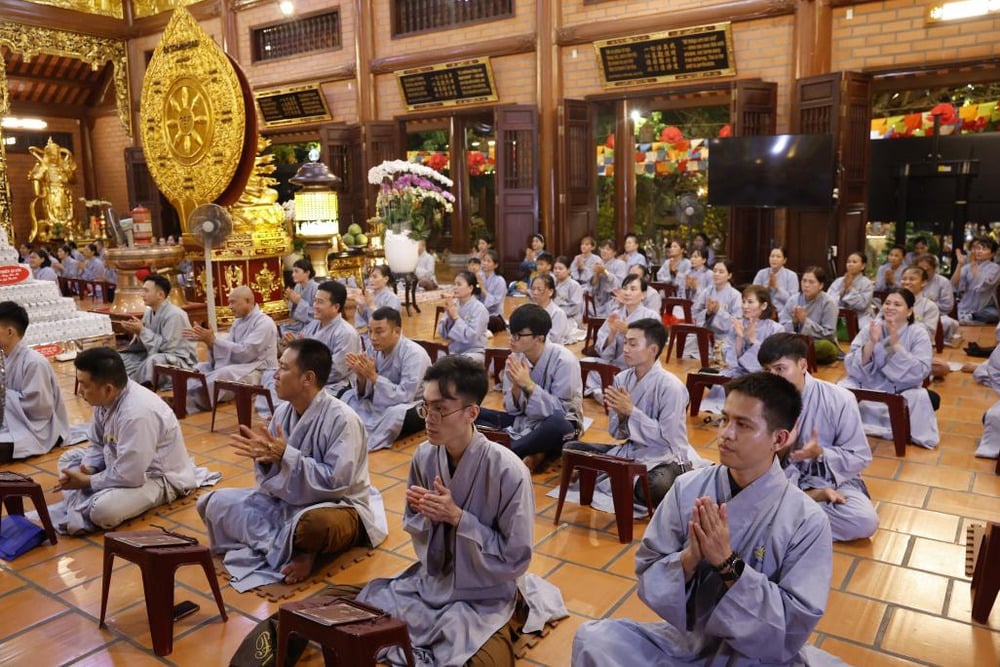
{"x":523,"y":334}
{"x":426,"y":412}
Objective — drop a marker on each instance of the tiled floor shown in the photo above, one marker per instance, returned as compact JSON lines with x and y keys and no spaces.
{"x":900,"y":598}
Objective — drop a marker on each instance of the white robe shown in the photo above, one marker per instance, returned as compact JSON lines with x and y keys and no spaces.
{"x":250,"y":349}
{"x":463,"y":588}
{"x":786,"y":285}
{"x":325,"y":464}
{"x":137,"y":448}
{"x":34,"y":416}
{"x":767,"y":615}
{"x":383,"y":404}
{"x":899,"y":372}
{"x":467,"y":334}
{"x":160,"y":342}
{"x":833,"y":413}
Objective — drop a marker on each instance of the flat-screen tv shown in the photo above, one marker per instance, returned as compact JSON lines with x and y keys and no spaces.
{"x":785,"y":170}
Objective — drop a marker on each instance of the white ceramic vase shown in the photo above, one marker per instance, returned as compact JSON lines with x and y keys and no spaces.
{"x":401,"y":252}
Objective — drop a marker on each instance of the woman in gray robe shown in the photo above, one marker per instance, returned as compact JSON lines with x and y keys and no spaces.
{"x":854,"y":290}
{"x":465,"y":319}
{"x":300,"y":296}
{"x":814,"y":313}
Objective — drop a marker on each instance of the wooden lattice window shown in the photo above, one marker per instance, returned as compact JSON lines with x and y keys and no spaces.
{"x":305,"y":34}
{"x":414,"y":16}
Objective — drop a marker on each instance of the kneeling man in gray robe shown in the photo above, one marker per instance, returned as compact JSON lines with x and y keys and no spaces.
{"x":136,"y":459}
{"x":34,"y":417}
{"x":313,"y":495}
{"x":157,"y":336}
{"x":736,"y":561}
{"x":470,"y":511}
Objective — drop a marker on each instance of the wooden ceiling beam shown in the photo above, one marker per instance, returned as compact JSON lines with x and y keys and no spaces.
{"x":43,"y":16}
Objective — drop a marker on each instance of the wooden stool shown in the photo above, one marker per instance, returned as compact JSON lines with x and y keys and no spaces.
{"x":158,"y":565}
{"x":605,"y":370}
{"x":594,"y":325}
{"x":899,"y":414}
{"x":438,"y":312}
{"x":245,"y":394}
{"x":178,"y":378}
{"x":986,"y":574}
{"x":696,"y":383}
{"x":349,"y":644}
{"x":666,"y":290}
{"x":939,"y":338}
{"x":679,"y":333}
{"x":13,"y":488}
{"x":589,"y":306}
{"x":433,"y":349}
{"x":621,"y":472}
{"x":671,"y":302}
{"x":496,"y":358}
{"x":498,"y":436}
{"x":810,"y":342}
{"x":851,"y":322}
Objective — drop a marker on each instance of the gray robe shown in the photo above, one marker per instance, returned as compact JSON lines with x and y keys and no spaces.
{"x":899,"y":372}
{"x":786,"y":285}
{"x":558,"y":391}
{"x":384,"y":297}
{"x":301,"y":312}
{"x":612,"y":348}
{"x":425,"y":267}
{"x":325,"y":464}
{"x":35,"y":416}
{"x":977,"y":292}
{"x":897,"y":273}
{"x":858,"y":298}
{"x":160,"y":342}
{"x":584,"y":275}
{"x":821,"y":316}
{"x":730,"y":306}
{"x":467,"y":334}
{"x":250,"y":349}
{"x":493,"y":294}
{"x":833,"y":412}
{"x":569,"y":297}
{"x":463,"y":588}
{"x":743,"y":362}
{"x":665,"y":275}
{"x":562,"y":328}
{"x":383,"y":404}
{"x":137,"y":448}
{"x":988,"y":372}
{"x":939,"y":290}
{"x":607,"y":283}
{"x":767,"y":615}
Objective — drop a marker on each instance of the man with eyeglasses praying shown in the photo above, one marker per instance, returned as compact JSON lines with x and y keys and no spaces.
{"x":543,"y":392}
{"x":314,"y":495}
{"x":470,"y":511}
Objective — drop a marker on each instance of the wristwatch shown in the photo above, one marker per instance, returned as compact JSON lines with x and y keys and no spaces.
{"x":731,"y":568}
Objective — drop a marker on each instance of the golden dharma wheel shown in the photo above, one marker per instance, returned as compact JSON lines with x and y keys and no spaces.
{"x":194,"y":118}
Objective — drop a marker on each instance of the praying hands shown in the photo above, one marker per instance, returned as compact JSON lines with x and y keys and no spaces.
{"x":708,"y":536}
{"x":198,"y":332}
{"x":436,"y":505}
{"x":258,"y":444}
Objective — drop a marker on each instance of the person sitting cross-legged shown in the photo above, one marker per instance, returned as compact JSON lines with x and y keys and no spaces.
{"x":34,"y":416}
{"x":736,"y":560}
{"x":647,"y":405}
{"x":830,"y":449}
{"x":385,"y":388}
{"x":313,"y":495}
{"x":136,"y":459}
{"x":157,"y":338}
{"x":543,"y":393}
{"x":470,"y":511}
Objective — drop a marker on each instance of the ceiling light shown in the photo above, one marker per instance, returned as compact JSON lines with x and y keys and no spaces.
{"x":287,"y":7}
{"x":962,"y":9}
{"x":14,"y":123}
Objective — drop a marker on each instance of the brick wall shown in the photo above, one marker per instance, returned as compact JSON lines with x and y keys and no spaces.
{"x":574,"y":12}
{"x":109,"y":142}
{"x":21,"y":189}
{"x":893,"y":33}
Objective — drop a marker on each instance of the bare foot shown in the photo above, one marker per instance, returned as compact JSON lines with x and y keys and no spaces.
{"x":534,"y":462}
{"x":298,"y":567}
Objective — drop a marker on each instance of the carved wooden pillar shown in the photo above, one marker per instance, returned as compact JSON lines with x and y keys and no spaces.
{"x":813,"y":24}
{"x":624,"y":171}
{"x":548,"y":86}
{"x":364,"y":51}
{"x":6,"y":218}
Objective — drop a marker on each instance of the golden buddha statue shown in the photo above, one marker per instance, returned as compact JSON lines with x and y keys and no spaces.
{"x":258,"y":204}
{"x":51,"y":178}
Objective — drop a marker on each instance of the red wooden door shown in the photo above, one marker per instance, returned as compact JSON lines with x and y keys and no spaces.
{"x":517,"y":183}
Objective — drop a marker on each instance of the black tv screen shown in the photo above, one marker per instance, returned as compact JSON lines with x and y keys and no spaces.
{"x":785,"y":170}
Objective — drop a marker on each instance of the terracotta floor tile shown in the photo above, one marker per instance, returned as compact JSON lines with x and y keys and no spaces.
{"x":384,"y":565}
{"x":406,"y":550}
{"x":851,"y":617}
{"x":938,"y":476}
{"x":902,"y":493}
{"x":964,"y":504}
{"x":119,"y":653}
{"x":543,"y":528}
{"x":938,"y":557}
{"x":841,"y":565}
{"x":397,"y":536}
{"x":557,"y":647}
{"x":24,"y":608}
{"x":9,"y":582}
{"x":55,"y":642}
{"x":582,"y":546}
{"x":224,"y":638}
{"x":903,"y":586}
{"x":635,"y":609}
{"x":394,"y":498}
{"x":126,"y":589}
{"x":960,"y":606}
{"x":68,"y":570}
{"x":542,"y":565}
{"x":965,"y":458}
{"x":589,"y":592}
{"x":884,"y":468}
{"x":940,"y":641}
{"x":853,"y":654}
{"x":935,"y":525}
{"x":624,"y":565}
{"x":884,"y":545}
{"x":987,"y":483}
